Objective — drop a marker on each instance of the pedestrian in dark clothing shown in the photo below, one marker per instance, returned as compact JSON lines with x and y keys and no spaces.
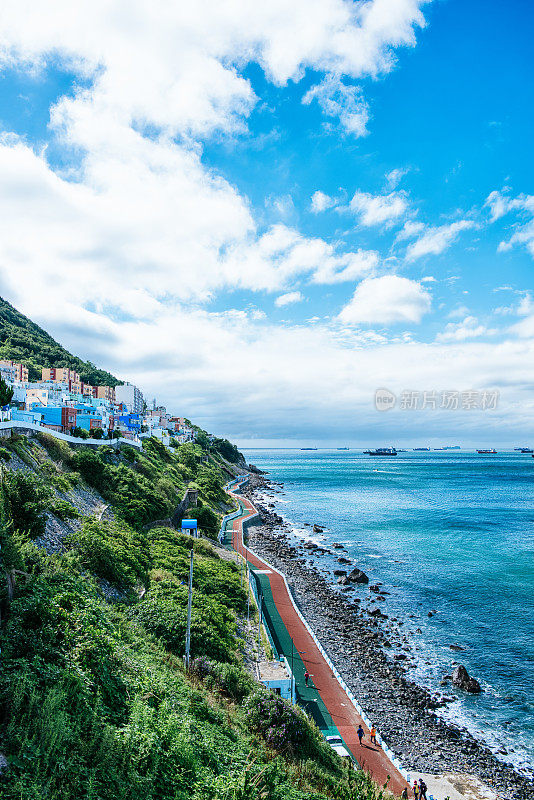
{"x":306,"y":677}
{"x":404,"y":794}
{"x":360,"y":733}
{"x":422,"y":789}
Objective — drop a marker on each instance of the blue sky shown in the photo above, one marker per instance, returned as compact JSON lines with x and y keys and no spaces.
{"x":263,"y":214}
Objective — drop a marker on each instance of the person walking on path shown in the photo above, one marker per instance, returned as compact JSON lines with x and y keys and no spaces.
{"x":373,"y":735}
{"x":404,"y":794}
{"x":415,"y":790}
{"x":422,"y":789}
{"x":306,"y":677}
{"x":360,"y":734}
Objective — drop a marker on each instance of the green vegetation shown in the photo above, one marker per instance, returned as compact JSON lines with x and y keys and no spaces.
{"x":228,"y":450}
{"x":6,"y":393}
{"x":94,"y":699}
{"x":26,"y":499}
{"x":25,"y":342}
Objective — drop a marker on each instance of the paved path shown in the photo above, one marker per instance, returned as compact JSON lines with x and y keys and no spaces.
{"x":325,"y":694}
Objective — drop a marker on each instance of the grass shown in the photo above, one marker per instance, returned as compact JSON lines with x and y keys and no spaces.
{"x":94,"y":699}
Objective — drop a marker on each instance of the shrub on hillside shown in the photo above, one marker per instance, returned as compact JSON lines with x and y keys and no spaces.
{"x":27,"y":500}
{"x":64,"y":510}
{"x":163,"y":612}
{"x":208,"y":521}
{"x":231,"y":679}
{"x":228,"y":450}
{"x":286,"y":728}
{"x":133,"y":497}
{"x":113,"y":551}
{"x":212,"y":575}
{"x":56,"y":448}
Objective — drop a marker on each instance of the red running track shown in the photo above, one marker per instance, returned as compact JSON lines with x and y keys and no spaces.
{"x":344,"y":715}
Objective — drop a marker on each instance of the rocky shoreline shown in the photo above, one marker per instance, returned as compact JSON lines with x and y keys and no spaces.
{"x":371,"y":653}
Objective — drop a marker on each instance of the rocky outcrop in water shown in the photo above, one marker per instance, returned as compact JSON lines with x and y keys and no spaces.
{"x":463,"y":680}
{"x":357,"y":576}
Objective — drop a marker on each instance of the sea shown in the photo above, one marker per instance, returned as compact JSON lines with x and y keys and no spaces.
{"x":445,"y":532}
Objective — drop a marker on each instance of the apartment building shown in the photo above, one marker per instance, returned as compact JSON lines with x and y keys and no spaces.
{"x":129,"y":396}
{"x":18,"y":371}
{"x":60,"y":374}
{"x":106,"y":393}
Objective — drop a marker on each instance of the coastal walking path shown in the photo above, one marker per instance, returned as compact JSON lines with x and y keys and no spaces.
{"x":324,"y":698}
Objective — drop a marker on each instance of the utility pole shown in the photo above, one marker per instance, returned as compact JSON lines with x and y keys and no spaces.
{"x":189,"y":604}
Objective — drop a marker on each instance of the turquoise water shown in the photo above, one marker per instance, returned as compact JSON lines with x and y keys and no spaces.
{"x":451,"y":532}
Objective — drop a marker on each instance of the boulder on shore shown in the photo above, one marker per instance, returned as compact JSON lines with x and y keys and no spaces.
{"x":318,"y":529}
{"x":357,"y":576}
{"x":340,"y":572}
{"x":463,"y":680}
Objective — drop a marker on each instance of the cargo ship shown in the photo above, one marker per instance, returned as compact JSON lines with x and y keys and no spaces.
{"x":381,"y":451}
{"x":492,"y":451}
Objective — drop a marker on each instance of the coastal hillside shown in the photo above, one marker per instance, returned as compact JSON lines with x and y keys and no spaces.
{"x":95,"y":701}
{"x":21,"y":340}
{"x":94,"y":698}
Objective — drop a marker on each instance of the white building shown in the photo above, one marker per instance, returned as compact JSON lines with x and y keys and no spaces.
{"x":130,"y":396}
{"x":276,"y":675}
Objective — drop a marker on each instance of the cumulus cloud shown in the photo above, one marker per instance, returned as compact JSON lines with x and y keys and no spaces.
{"x":342,"y":101}
{"x":321,"y":201}
{"x":468,"y":328}
{"x":115,"y":256}
{"x":380,"y":209}
{"x":288,"y":299}
{"x":386,"y":300}
{"x":434,"y":240}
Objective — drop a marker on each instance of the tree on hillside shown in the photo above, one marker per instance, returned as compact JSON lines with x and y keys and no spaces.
{"x":6,"y":394}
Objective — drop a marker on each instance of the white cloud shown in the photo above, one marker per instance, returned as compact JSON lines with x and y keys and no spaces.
{"x":107,"y":253}
{"x":394,"y":177}
{"x":428,"y":279}
{"x":386,"y":300}
{"x":337,"y":99}
{"x":320,"y":202}
{"x":410,"y":229}
{"x":501,"y":204}
{"x":379,"y":209}
{"x":347,"y":267}
{"x":139,"y":214}
{"x":469,"y":328}
{"x":458,"y":312}
{"x":435,"y":240}
{"x":289,"y":299}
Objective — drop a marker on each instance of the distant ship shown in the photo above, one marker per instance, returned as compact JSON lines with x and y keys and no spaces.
{"x":524,"y":449}
{"x":487,"y":451}
{"x":342,"y":448}
{"x":308,"y":448}
{"x":421,"y":448}
{"x":381,"y":451}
